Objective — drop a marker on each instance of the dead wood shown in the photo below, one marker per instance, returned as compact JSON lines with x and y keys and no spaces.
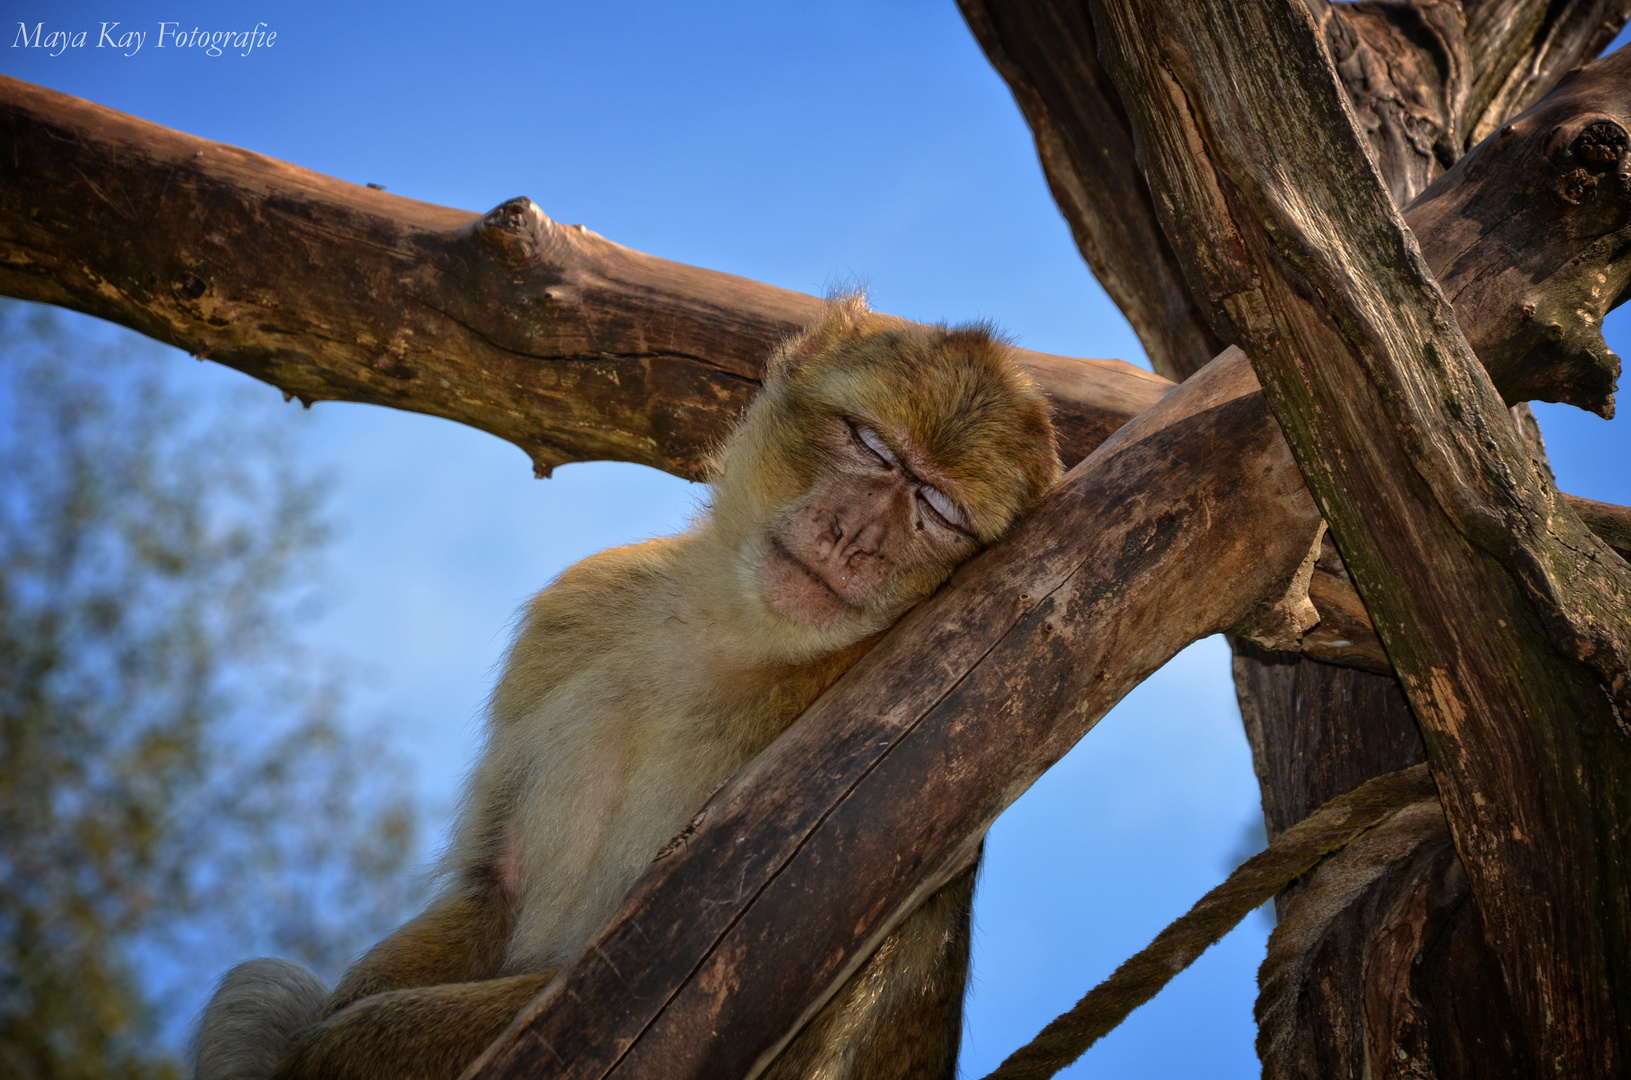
{"x":1612,"y":524}
{"x":564,"y":343}
{"x":1508,"y":623}
{"x":1426,"y":80}
{"x":1047,"y":54}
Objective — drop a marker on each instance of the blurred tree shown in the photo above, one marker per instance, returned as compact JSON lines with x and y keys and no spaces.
{"x":175,"y":792}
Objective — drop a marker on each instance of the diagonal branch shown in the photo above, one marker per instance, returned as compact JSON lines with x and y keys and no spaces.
{"x":882,"y":790}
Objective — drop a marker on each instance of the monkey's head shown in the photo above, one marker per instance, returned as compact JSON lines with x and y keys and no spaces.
{"x":879,"y":455}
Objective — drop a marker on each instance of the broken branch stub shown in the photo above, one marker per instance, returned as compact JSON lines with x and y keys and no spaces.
{"x":1543,"y":252}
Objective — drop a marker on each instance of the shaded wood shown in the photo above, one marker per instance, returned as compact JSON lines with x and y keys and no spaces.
{"x":1612,"y":524}
{"x":1153,"y":541}
{"x":1423,"y":85}
{"x":1344,"y":636}
{"x":1282,"y":702}
{"x":564,"y":343}
{"x":1386,"y":921}
{"x":1507,"y":620}
{"x":1426,"y":80}
{"x":1047,"y":54}
{"x":1406,"y":72}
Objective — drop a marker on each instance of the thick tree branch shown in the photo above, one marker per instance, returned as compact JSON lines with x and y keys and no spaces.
{"x":1510,"y":625}
{"x":1519,"y":49}
{"x":1048,"y":56}
{"x":568,"y":345}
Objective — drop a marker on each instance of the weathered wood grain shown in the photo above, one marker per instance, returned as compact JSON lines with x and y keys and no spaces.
{"x":566,"y":344}
{"x":1509,"y":624}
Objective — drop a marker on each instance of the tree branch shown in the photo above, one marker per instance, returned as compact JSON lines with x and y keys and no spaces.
{"x":1519,"y":49}
{"x":1047,"y":54}
{"x":552,"y":337}
{"x":1424,"y":87}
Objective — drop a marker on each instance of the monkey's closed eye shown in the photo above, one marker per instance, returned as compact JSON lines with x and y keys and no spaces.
{"x":949,"y":513}
{"x":873,"y":444}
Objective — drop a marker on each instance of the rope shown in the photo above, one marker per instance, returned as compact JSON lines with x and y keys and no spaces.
{"x":1293,"y":853}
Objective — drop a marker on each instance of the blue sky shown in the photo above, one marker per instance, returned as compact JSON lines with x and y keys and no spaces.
{"x":800,"y":144}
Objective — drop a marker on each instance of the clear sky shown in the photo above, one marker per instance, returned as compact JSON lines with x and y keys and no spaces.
{"x":807,"y":145}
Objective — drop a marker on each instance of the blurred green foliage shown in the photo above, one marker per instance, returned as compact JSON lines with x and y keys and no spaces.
{"x":176,"y":790}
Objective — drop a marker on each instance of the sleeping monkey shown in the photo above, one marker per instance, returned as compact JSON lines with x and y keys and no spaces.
{"x":878,"y":457}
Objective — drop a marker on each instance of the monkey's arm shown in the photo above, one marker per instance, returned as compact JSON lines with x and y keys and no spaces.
{"x":459,"y":939}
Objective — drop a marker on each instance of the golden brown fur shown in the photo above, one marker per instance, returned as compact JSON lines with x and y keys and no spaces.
{"x":878,"y":456}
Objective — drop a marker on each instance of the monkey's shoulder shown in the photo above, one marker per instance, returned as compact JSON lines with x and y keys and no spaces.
{"x":592,"y":611}
{"x":613,"y":583}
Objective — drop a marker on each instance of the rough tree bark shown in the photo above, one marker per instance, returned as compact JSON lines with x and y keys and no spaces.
{"x":616,"y":313}
{"x":1425,"y":81}
{"x":570,"y":346}
{"x":1509,"y":624}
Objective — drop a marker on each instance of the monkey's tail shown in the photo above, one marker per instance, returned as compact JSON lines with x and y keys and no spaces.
{"x":257,"y":1008}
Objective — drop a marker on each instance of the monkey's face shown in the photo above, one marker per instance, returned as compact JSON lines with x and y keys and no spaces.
{"x":878,"y":457}
{"x":878,"y":529}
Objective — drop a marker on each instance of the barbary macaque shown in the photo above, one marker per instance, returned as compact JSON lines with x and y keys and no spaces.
{"x":878,"y":456}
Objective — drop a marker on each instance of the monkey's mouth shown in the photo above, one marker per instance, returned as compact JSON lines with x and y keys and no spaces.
{"x":798,"y":592}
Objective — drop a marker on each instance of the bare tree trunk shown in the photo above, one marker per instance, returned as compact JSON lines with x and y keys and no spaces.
{"x":1511,"y":639}
{"x":1426,"y":81}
